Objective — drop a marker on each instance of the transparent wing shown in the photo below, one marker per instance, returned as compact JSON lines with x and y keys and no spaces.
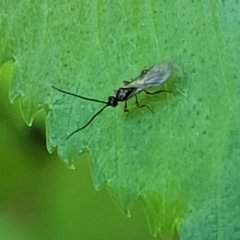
{"x":153,"y":77}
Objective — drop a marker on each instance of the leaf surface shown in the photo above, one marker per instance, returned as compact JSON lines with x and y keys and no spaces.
{"x":182,"y":161}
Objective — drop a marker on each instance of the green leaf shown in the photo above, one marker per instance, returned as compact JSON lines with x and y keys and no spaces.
{"x":182,"y":162}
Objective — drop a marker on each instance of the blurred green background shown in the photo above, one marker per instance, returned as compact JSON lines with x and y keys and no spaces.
{"x":43,"y":199}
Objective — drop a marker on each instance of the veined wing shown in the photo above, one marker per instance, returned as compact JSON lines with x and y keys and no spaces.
{"x":152,"y":77}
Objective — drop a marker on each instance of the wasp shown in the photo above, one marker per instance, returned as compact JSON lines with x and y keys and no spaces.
{"x":148,"y":78}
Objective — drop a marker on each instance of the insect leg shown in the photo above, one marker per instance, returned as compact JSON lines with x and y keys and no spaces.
{"x":125,"y":107}
{"x":126,"y":82}
{"x":144,"y":71}
{"x":140,"y":106}
{"x":151,"y":93}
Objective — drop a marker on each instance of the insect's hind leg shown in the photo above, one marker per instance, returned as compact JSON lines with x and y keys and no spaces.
{"x":160,"y":91}
{"x":140,"y":106}
{"x":126,"y":82}
{"x":125,"y":107}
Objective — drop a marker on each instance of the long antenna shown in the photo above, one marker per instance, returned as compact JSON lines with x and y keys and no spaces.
{"x":79,"y":129}
{"x":75,"y":95}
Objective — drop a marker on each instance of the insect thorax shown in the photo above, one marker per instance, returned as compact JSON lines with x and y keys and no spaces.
{"x":123,"y":94}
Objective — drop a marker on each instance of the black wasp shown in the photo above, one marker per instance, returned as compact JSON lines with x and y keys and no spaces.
{"x":152,"y":77}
